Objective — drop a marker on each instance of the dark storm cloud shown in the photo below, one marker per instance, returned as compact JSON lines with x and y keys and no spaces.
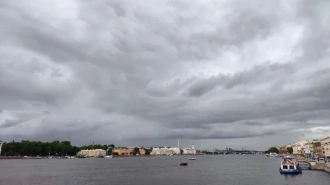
{"x":258,"y":74}
{"x":137,"y":70}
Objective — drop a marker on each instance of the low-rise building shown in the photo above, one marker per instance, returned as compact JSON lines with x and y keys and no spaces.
{"x":307,"y":150}
{"x":318,"y":149}
{"x":92,"y":153}
{"x":123,"y":150}
{"x":190,"y":151}
{"x":165,"y":151}
{"x":325,"y":144}
{"x":298,"y":148}
{"x":315,"y":148}
{"x":142,"y":151}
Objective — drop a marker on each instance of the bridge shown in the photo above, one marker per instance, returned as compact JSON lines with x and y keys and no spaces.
{"x":231,"y":151}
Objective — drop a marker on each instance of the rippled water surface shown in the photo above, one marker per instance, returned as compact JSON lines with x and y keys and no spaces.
{"x":160,"y":170}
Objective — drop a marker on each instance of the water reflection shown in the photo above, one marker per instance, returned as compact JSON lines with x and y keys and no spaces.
{"x":289,"y":176}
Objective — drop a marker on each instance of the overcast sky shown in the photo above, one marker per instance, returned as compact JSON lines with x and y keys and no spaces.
{"x":248,"y":74}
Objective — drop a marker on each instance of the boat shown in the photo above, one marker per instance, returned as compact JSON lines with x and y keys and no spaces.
{"x":289,"y":166}
{"x":273,"y":154}
{"x":192,"y":158}
{"x":183,"y":164}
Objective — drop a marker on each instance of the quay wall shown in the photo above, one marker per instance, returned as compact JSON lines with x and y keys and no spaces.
{"x":322,"y":167}
{"x":18,"y":157}
{"x":319,"y":165}
{"x":11,"y":157}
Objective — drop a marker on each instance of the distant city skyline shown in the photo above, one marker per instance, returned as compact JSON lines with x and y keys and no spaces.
{"x":184,"y":143}
{"x":249,"y":74}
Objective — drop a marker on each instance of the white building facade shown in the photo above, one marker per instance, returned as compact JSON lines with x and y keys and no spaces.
{"x":190,"y":151}
{"x":299,"y":147}
{"x":307,"y":150}
{"x":165,"y":151}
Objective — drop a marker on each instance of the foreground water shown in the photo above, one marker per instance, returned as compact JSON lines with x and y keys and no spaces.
{"x":160,"y":170}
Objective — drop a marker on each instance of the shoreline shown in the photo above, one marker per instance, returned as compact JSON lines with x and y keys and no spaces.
{"x":321,"y":167}
{"x":17,"y":157}
{"x":118,"y":156}
{"x":114,"y":156}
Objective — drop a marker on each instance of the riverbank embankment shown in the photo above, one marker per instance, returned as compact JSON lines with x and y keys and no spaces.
{"x":321,"y":166}
{"x":318,"y":165}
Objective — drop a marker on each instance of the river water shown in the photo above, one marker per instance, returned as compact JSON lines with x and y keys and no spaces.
{"x":158,"y":170}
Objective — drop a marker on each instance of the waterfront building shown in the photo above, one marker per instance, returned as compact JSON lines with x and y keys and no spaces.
{"x":92,"y":153}
{"x":165,"y":151}
{"x":160,"y":151}
{"x":1,"y":142}
{"x":128,"y":150}
{"x":315,"y":148}
{"x":123,"y":150}
{"x":175,"y":150}
{"x":190,"y":151}
{"x":307,"y":151}
{"x":325,"y":144}
{"x":298,"y":148}
{"x":142,"y":151}
{"x":282,"y":149}
{"x":155,"y":151}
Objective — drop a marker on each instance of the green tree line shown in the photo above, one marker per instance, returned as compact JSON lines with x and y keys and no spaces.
{"x":273,"y":149}
{"x":55,"y":148}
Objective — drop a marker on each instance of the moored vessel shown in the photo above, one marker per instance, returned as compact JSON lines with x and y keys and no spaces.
{"x":289,"y":166}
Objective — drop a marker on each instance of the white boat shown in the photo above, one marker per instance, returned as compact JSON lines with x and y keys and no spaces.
{"x":289,"y":166}
{"x":192,"y":158}
{"x":273,"y":154}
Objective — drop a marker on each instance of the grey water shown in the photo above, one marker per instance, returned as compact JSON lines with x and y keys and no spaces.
{"x":160,"y":170}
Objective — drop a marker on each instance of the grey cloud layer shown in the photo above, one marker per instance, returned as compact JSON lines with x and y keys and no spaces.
{"x":126,"y":70}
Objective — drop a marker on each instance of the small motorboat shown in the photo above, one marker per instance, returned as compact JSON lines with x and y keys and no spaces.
{"x":192,"y":158}
{"x":183,"y":164}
